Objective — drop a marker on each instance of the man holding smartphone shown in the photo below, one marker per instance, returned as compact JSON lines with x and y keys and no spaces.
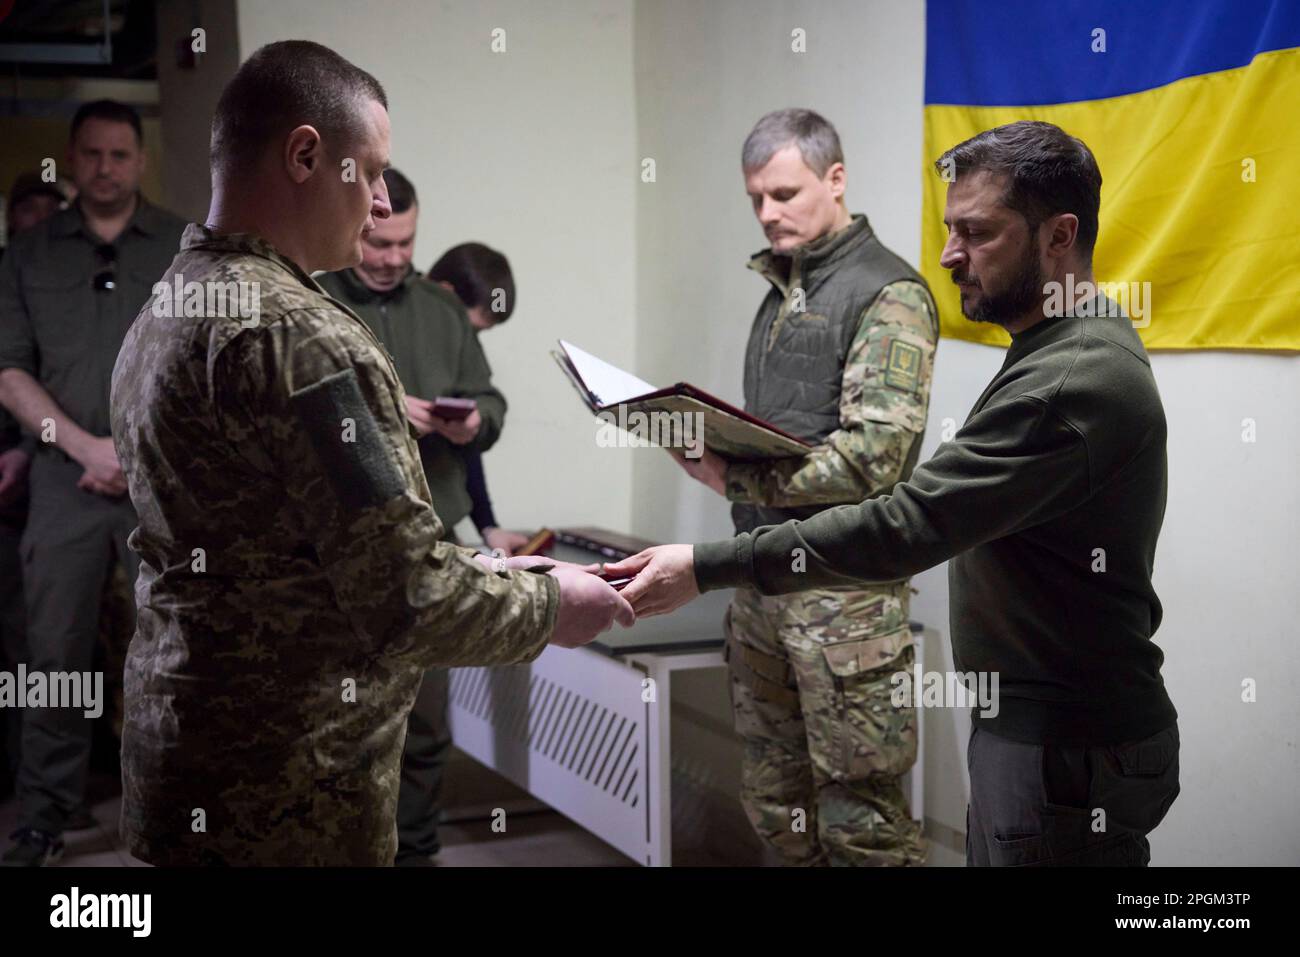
{"x":437,"y":355}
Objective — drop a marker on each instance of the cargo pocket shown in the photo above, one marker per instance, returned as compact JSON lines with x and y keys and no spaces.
{"x":1138,"y":781}
{"x":870,"y":735}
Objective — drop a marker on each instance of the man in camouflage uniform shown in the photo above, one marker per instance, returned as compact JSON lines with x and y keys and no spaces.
{"x":841,"y":355}
{"x":293,"y":586}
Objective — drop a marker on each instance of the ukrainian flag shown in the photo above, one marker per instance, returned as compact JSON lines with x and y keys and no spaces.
{"x":1193,"y":112}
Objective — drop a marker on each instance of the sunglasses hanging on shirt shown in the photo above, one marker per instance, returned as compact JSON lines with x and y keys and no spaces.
{"x":105,"y":277}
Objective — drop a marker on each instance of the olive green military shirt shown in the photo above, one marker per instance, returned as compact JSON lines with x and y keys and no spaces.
{"x":67,"y":299}
{"x":292,"y":586}
{"x":436,"y":353}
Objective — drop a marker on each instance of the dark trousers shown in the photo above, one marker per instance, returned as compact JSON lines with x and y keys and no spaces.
{"x":69,"y":546}
{"x":13,"y":647}
{"x":428,"y":741}
{"x":1047,"y":805}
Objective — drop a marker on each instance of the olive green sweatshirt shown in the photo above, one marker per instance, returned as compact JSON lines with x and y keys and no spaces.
{"x":429,"y":336}
{"x":1047,"y":504}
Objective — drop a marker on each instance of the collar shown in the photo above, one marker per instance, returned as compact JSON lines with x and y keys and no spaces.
{"x":146,"y":220}
{"x":359,"y":292}
{"x":202,"y":238}
{"x":810,"y":257}
{"x":1041,"y":333}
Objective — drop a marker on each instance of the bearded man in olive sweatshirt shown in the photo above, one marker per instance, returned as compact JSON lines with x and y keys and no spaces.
{"x":436,"y":353}
{"x":1047,"y":504}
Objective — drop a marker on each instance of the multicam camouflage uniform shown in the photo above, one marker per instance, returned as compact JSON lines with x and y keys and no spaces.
{"x":824,"y":748}
{"x":293,"y":587}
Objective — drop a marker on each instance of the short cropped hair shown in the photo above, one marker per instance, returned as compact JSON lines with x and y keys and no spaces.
{"x":475,"y":272}
{"x":110,"y":110}
{"x":401,"y":194}
{"x":284,"y":85}
{"x":1048,"y":170}
{"x":818,"y":143}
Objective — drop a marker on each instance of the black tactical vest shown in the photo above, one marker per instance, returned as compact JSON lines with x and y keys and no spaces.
{"x":795,"y":358}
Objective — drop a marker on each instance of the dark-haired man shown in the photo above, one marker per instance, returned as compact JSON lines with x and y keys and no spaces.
{"x":480,"y":277}
{"x":1047,"y":504}
{"x":69,"y":289}
{"x":436,"y":353}
{"x":293,"y":584}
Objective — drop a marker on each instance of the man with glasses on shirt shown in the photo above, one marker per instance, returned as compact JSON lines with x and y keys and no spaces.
{"x":69,"y":289}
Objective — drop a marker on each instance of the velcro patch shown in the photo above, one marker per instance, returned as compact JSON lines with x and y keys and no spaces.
{"x":903,"y":366}
{"x":345,"y":435}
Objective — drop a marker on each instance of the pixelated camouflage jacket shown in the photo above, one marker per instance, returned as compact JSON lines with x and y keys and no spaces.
{"x":884,"y":390}
{"x":292,"y":586}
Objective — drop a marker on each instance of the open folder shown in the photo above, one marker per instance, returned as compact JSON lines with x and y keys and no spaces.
{"x":728,"y":431}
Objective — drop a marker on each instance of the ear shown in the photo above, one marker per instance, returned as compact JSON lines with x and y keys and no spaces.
{"x":303,"y":153}
{"x":1062,"y":230}
{"x":837,"y":178}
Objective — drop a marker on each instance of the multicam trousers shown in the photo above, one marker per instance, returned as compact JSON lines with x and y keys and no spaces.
{"x":825,"y":749}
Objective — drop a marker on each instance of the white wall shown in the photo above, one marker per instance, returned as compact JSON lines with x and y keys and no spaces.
{"x":531,"y":151}
{"x":1226,"y":567}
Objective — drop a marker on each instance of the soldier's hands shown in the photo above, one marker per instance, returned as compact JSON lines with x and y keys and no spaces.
{"x":664,"y":578}
{"x":103,"y":474}
{"x":460,"y":432}
{"x":588,"y":606}
{"x":420,"y":412}
{"x":13,"y":474}
{"x":709,"y":469}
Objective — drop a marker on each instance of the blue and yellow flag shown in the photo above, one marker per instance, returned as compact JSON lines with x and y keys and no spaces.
{"x":1193,"y":112}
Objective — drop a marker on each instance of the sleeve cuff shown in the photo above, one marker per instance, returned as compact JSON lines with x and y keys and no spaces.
{"x":551,"y":613}
{"x":724,"y":564}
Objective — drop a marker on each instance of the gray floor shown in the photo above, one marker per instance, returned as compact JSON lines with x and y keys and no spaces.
{"x":534,"y":834}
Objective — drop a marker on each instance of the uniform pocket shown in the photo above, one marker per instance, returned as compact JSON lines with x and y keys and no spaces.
{"x":870,"y":735}
{"x":62,"y":313}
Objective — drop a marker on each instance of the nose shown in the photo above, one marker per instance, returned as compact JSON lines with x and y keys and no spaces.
{"x":380,"y":207}
{"x":953,"y":255}
{"x":768,"y":211}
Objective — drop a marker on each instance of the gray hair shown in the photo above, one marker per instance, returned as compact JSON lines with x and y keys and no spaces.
{"x":818,"y":143}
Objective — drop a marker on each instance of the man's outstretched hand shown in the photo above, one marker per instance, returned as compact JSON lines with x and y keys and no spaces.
{"x":665,"y":578}
{"x":588,"y":606}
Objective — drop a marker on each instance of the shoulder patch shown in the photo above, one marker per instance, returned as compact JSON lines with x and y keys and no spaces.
{"x":348,"y":440}
{"x":903,"y":366}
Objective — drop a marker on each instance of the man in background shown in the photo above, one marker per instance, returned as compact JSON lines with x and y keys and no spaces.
{"x":436,"y":354}
{"x":481,"y":279}
{"x":30,"y":201}
{"x":69,"y":290}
